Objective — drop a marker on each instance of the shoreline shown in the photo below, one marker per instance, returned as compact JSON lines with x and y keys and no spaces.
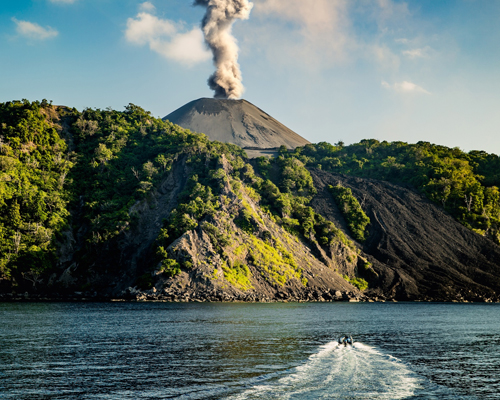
{"x":10,"y":298}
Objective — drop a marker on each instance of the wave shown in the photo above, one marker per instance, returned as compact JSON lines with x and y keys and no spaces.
{"x":338,"y":372}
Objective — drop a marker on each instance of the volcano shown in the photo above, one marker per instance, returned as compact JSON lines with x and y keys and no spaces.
{"x":235,"y":121}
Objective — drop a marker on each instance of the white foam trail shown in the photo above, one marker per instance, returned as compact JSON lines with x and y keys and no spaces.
{"x":338,"y":372}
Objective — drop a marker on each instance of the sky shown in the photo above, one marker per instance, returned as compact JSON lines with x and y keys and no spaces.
{"x":331,"y":70}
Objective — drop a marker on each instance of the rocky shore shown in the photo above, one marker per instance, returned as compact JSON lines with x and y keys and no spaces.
{"x":219,"y":296}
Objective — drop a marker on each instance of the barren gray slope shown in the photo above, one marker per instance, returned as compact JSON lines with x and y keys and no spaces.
{"x":419,"y":251}
{"x":235,"y":121}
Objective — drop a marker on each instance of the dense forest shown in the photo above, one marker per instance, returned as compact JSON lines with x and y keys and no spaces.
{"x":464,"y":184}
{"x":34,"y":189}
{"x":62,"y":170}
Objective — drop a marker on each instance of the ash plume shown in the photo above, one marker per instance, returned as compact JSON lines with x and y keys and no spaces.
{"x":216,"y":26}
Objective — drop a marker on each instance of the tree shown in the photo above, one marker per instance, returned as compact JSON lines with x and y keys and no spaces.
{"x":86,"y":127}
{"x":103,"y":154}
{"x":149,"y":169}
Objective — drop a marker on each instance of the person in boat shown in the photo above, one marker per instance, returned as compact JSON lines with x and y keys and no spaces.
{"x":345,"y":340}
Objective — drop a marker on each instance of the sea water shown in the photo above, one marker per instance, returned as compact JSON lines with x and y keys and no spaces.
{"x":249,"y":351}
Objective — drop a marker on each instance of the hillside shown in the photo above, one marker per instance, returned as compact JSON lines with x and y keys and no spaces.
{"x":235,"y":121}
{"x":418,"y":250}
{"x":102,"y":204}
{"x":463,"y":184}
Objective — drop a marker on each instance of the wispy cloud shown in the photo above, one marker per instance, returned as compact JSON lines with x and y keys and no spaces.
{"x":165,"y":37}
{"x":319,"y":31}
{"x":326,"y":32}
{"x":417,"y":53}
{"x":402,"y":40}
{"x":404,"y":87}
{"x":145,"y":28}
{"x":63,"y":1}
{"x":34,"y":31}
{"x":415,"y":48}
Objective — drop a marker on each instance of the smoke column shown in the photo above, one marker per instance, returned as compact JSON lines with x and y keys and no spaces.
{"x":216,"y":25}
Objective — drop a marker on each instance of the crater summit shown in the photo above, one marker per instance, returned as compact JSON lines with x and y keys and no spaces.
{"x":235,"y":121}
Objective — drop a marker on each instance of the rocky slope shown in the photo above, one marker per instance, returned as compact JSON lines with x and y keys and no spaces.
{"x":414,"y":249}
{"x":235,"y":121}
{"x":418,"y":251}
{"x":260,"y":262}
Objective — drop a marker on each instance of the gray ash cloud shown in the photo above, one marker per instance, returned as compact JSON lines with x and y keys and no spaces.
{"x":216,"y":25}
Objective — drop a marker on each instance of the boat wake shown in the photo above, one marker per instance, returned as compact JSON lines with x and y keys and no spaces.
{"x":338,"y":372}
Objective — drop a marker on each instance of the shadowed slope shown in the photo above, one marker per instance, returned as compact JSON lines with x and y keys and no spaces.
{"x":235,"y":121}
{"x":418,"y":250}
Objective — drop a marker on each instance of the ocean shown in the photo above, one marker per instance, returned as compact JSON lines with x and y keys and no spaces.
{"x":117,"y":351}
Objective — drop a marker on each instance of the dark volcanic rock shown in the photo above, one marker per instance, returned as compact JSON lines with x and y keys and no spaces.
{"x":418,"y":251}
{"x":235,"y":121}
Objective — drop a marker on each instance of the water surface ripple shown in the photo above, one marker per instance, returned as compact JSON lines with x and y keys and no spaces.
{"x":118,"y":351}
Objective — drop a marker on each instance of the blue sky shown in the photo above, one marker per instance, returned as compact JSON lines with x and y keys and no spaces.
{"x":329,"y":69}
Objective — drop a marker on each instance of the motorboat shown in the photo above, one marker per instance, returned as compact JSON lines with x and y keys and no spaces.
{"x":345,"y":340}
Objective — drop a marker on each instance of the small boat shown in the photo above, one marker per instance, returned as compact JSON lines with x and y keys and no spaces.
{"x":345,"y":340}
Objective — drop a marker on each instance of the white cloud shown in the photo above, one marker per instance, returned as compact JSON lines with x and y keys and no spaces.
{"x":31,"y":30}
{"x":63,"y":1}
{"x":404,"y":87}
{"x":167,"y":38}
{"x":187,"y":48}
{"x":145,"y":28}
{"x":147,"y":6}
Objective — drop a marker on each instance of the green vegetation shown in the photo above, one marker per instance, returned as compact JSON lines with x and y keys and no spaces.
{"x":245,"y":222}
{"x":219,"y":239}
{"x":464,"y":184}
{"x":295,"y":178}
{"x":128,"y":154}
{"x":290,"y":208}
{"x":169,"y":267}
{"x":238,"y":275}
{"x":34,"y":195}
{"x":352,"y":211}
{"x":117,"y":160}
{"x":360,"y":283}
{"x":276,"y":263}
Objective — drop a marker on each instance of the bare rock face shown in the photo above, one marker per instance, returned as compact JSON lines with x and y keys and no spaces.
{"x":417,"y":250}
{"x":235,"y":121}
